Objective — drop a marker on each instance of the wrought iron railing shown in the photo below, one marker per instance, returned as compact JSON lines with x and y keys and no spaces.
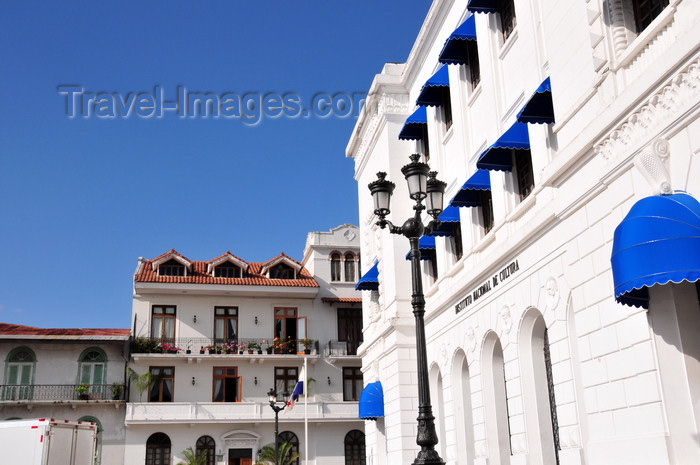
{"x":61,"y":392}
{"x":341,"y":348}
{"x":145,"y":345}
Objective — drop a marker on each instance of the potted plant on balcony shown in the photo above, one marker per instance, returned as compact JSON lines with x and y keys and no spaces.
{"x":253,"y":346}
{"x":308,"y":344}
{"x":82,"y":391}
{"x":117,"y":390}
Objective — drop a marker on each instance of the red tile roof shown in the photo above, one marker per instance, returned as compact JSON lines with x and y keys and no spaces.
{"x":198,"y":275}
{"x":343,"y":300}
{"x":19,"y":330}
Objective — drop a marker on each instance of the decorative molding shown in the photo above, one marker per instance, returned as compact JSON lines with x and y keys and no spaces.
{"x":379,"y":105}
{"x":506,"y":318}
{"x":549,"y":298}
{"x":679,"y":94}
{"x":651,"y":163}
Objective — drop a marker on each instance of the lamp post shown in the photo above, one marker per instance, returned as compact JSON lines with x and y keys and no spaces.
{"x":422,"y":185}
{"x":272,"y":395}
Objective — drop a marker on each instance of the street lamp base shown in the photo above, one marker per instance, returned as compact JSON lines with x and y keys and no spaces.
{"x":428,"y":457}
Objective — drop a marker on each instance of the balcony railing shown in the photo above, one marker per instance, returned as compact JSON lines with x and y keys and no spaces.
{"x":341,"y":348}
{"x":213,"y":412}
{"x":61,"y":392}
{"x":146,"y":345}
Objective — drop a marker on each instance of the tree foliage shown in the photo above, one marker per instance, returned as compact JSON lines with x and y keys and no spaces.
{"x":286,"y":454}
{"x":191,"y":457}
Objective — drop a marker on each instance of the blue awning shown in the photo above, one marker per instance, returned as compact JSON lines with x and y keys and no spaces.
{"x":426,"y":245}
{"x":372,"y":401}
{"x":414,"y":126}
{"x":539,"y":109}
{"x":483,"y":6}
{"x":470,"y":193}
{"x":370,"y":280}
{"x":431,"y":93}
{"x":448,"y":218}
{"x":657,"y":242}
{"x":455,"y":49}
{"x":498,"y":157}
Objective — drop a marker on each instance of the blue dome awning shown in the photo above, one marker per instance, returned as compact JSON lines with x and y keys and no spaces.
{"x":432,"y":92}
{"x":454,"y":51}
{"x":483,"y":6}
{"x":370,"y":280}
{"x":371,"y":403}
{"x":426,"y":245}
{"x":415,"y":125}
{"x":470,"y":193}
{"x":499,"y":157}
{"x":656,"y":243}
{"x":448,"y":218}
{"x":539,"y":109}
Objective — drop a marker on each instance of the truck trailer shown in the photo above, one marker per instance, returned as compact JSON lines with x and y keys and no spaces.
{"x":48,"y":442}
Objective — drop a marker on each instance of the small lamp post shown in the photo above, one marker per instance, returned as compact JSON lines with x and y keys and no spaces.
{"x":422,"y":185}
{"x":272,"y":395}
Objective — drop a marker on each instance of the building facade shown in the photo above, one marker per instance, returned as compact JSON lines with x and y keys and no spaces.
{"x":562,"y":298}
{"x":217,"y":335}
{"x":67,"y":374}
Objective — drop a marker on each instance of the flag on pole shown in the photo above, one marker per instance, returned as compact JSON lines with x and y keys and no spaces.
{"x":298,"y":390}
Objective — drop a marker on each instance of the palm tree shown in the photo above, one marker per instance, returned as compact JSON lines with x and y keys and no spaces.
{"x":191,"y":457}
{"x":286,"y":454}
{"x":142,"y":382}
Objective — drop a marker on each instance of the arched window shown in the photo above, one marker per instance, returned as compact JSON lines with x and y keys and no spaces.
{"x":206,"y":443}
{"x":98,"y":451}
{"x":495,"y":401}
{"x":19,"y":374}
{"x":92,"y":369}
{"x":158,"y":449}
{"x":335,"y":266}
{"x":355,"y":448}
{"x":288,"y":436}
{"x":349,"y":267}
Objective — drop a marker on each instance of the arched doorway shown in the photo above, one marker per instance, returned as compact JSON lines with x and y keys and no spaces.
{"x":158,"y":449}
{"x":355,"y":448}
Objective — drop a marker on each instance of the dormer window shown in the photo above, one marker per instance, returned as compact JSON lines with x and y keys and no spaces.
{"x":171,"y":268}
{"x":227,"y":270}
{"x":281,"y":271}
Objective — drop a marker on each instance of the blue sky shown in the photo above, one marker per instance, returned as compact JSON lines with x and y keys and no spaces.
{"x":84,"y":197}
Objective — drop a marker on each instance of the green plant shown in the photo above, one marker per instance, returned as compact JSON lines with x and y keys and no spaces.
{"x":286,"y":454}
{"x":253,"y":345}
{"x":117,"y":390}
{"x":82,"y":388}
{"x":145,"y":345}
{"x":308,"y":343}
{"x":142,"y":382}
{"x":192,"y":458}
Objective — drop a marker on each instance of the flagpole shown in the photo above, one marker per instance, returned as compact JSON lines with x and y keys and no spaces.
{"x":306,"y":417}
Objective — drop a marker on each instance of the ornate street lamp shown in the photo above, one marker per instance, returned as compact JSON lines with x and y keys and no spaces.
{"x":272,"y":395}
{"x":421,"y":185}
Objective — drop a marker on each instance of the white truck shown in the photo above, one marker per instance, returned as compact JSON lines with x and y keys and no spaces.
{"x":47,"y":442}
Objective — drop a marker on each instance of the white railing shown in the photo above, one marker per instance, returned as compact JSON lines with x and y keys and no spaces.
{"x":213,"y":412}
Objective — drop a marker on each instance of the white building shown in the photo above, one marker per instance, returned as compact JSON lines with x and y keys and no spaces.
{"x":67,"y":374}
{"x":554,"y":124}
{"x":218,"y":401}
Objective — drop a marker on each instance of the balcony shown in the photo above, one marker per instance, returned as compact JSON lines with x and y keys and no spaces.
{"x":208,"y":346}
{"x":343,"y":350}
{"x":61,"y":393}
{"x":227,"y":412}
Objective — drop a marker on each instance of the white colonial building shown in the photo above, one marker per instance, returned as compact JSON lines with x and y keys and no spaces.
{"x":562,"y":316}
{"x":217,"y":334}
{"x":67,"y":374}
